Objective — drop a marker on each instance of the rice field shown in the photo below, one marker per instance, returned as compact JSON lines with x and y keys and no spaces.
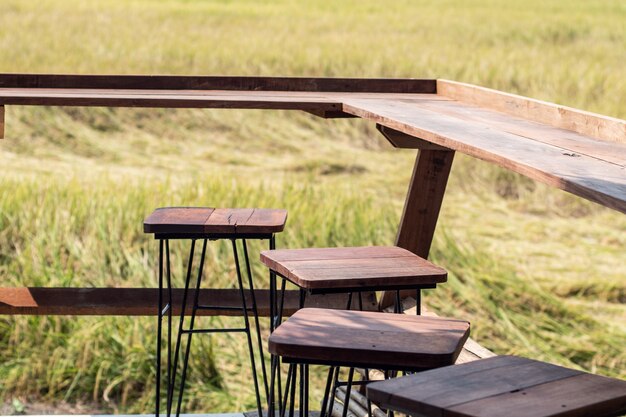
{"x":538,"y":272}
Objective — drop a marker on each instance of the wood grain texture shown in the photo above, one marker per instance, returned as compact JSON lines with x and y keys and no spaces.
{"x":353,"y":268}
{"x":574,"y":142}
{"x":143,"y":301}
{"x":422,"y":206}
{"x":223,"y":221}
{"x":1,"y":122}
{"x":586,"y":123}
{"x":174,"y":82}
{"x":590,"y":178}
{"x":502,"y":385}
{"x":370,"y":339}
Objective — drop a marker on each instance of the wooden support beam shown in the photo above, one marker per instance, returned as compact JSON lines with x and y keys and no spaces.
{"x":1,"y":122}
{"x":143,"y":301}
{"x":422,"y":205}
{"x":402,"y":140}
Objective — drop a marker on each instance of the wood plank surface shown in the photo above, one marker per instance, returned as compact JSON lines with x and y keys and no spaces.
{"x":598,"y":181}
{"x":353,"y":268}
{"x":177,"y":220}
{"x":566,"y":139}
{"x":223,"y":221}
{"x":502,"y":385}
{"x":175,"y":82}
{"x":143,"y":301}
{"x":372,"y":339}
{"x":578,"y":396}
{"x":586,"y":123}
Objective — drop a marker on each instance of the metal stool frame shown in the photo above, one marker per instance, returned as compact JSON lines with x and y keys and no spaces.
{"x":165,"y":310}
{"x":332,"y":382}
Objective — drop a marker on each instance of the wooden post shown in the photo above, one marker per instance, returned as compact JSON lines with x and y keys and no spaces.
{"x":1,"y":122}
{"x":422,"y":205}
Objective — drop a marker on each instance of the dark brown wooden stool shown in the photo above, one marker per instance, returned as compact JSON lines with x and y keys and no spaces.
{"x":349,"y":270}
{"x":502,"y":386}
{"x":391,"y":342}
{"x":201,"y":223}
{"x":354,"y":269}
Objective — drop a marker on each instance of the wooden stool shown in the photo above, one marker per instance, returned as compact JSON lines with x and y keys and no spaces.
{"x":354,"y":269}
{"x":391,"y":342}
{"x":205,"y":224}
{"x":502,"y":386}
{"x":349,"y":270}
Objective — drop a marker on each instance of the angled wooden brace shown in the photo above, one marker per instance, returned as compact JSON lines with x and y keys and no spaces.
{"x":423,"y":199}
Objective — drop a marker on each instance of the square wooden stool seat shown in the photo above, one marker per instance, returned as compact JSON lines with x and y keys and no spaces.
{"x":215,"y":222}
{"x":502,"y":386}
{"x":204,"y":224}
{"x":368,"y":339}
{"x":324,"y":270}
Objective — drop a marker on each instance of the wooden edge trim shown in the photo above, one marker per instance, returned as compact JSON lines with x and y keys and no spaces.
{"x":174,"y":82}
{"x":598,"y":126}
{"x":404,"y":141}
{"x":1,"y":122}
{"x":143,"y":301}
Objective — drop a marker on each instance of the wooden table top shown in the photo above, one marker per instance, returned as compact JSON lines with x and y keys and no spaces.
{"x":215,"y":221}
{"x":502,"y":386}
{"x":369,"y":339}
{"x":353,"y":268}
{"x":577,"y":151}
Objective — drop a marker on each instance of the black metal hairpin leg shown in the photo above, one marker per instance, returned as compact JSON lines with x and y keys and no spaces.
{"x":255,"y":312}
{"x":418,"y":302}
{"x":172,"y":362}
{"x":329,"y":383}
{"x":172,"y":380}
{"x":159,"y":333}
{"x":294,"y":374}
{"x":346,"y":401}
{"x":247,"y":328}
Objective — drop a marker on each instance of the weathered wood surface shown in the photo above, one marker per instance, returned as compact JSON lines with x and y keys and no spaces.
{"x":502,"y":386}
{"x":586,"y":123}
{"x":353,"y":268}
{"x":472,"y":350}
{"x":372,"y":339}
{"x":143,"y":301}
{"x":206,"y":220}
{"x":587,"y":176}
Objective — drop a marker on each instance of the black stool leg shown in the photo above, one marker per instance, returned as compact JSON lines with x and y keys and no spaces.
{"x":169,"y":325}
{"x":418,"y":302}
{"x":283,"y":405}
{"x":255,"y":312}
{"x":346,"y":402}
{"x":191,"y":323}
{"x":172,"y":377}
{"x":329,"y":383}
{"x":294,"y":375}
{"x":159,"y":332}
{"x":247,"y":328}
{"x":333,"y":391}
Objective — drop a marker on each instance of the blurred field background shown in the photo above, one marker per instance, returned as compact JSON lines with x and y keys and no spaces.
{"x":538,"y":272}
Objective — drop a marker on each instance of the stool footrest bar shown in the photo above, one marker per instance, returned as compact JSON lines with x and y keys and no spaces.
{"x":235,"y":329}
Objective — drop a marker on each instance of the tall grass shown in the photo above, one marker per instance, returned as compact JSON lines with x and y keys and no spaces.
{"x":538,"y":272}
